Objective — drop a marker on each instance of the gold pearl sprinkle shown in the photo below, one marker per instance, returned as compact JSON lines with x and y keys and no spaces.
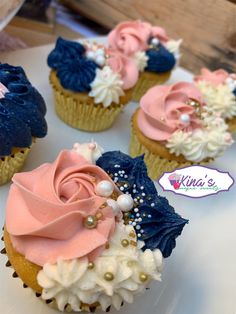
{"x":108,"y":276}
{"x":103,"y":206}
{"x":132,"y":234}
{"x":90,"y":222}
{"x":99,"y":215}
{"x":143,"y":277}
{"x":107,"y":246}
{"x":90,"y":265}
{"x":124,"y":242}
{"x":133,"y":243}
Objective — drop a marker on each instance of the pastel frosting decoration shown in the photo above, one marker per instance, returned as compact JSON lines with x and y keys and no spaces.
{"x":160,"y":60}
{"x":46,"y":208}
{"x":162,"y":108}
{"x":22,"y":110}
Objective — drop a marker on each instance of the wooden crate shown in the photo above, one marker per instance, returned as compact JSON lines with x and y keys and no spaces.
{"x":208,"y":27}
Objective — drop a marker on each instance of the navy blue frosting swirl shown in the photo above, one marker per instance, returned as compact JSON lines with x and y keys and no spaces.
{"x":74,"y":70}
{"x":234,"y":92}
{"x":153,"y":218}
{"x":64,"y":51}
{"x":22,"y":110}
{"x":77,"y":75}
{"x":160,"y":60}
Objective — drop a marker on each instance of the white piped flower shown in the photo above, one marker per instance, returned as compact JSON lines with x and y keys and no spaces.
{"x":141,"y":60}
{"x":174,"y":47}
{"x":90,"y":151}
{"x":219,"y":99}
{"x":107,"y":87}
{"x":75,"y":282}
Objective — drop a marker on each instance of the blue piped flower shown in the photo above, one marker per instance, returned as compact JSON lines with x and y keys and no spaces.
{"x":154,"y":220}
{"x":22,"y":110}
{"x":160,"y":60}
{"x":65,"y":51}
{"x":77,"y":75}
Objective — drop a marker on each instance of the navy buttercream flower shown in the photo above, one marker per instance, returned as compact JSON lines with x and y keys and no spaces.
{"x":77,"y":75}
{"x":64,"y":51}
{"x":22,"y":110}
{"x":154,"y":220}
{"x":234,"y":92}
{"x":160,"y":60}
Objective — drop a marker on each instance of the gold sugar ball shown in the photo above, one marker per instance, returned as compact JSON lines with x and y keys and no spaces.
{"x":90,"y":222}
{"x":125,"y":242}
{"x":143,"y":277}
{"x":90,"y":265}
{"x":108,"y":276}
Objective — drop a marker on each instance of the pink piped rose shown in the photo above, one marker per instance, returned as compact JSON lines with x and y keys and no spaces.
{"x":124,"y":66}
{"x":166,"y":109}
{"x":47,"y":210}
{"x":130,"y":37}
{"x":213,"y":77}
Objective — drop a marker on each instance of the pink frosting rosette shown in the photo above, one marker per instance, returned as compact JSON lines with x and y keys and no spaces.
{"x":214,"y":77}
{"x":47,"y":207}
{"x":166,"y":109}
{"x":124,"y":66}
{"x":130,"y":37}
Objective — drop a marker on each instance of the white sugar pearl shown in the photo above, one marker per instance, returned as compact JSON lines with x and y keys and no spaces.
{"x":155,"y":41}
{"x":125,"y":202}
{"x":100,"y":60}
{"x":184,"y":118}
{"x":114,"y":205}
{"x":100,"y":52}
{"x":104,"y":188}
{"x":90,"y":55}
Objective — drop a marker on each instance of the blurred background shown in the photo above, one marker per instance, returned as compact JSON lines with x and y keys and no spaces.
{"x":208,"y":28}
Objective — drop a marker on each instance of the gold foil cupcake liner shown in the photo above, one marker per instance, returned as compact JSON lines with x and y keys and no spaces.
{"x":13,"y":163}
{"x":231,"y":125}
{"x":156,"y":164}
{"x":147,"y":80}
{"x":79,"y":110}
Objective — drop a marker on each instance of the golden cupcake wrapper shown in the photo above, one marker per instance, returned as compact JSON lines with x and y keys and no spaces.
{"x":231,"y":125}
{"x":147,"y":80}
{"x":13,"y":163}
{"x":79,"y":110}
{"x":28,"y":272}
{"x":156,"y":164}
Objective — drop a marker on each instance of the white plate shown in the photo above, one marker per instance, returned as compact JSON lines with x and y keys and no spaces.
{"x":200,"y":275}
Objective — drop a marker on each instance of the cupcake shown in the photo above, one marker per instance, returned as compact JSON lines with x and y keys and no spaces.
{"x":22,"y":111}
{"x":150,"y":47}
{"x":91,"y":84}
{"x":219,"y":91}
{"x":89,"y":230}
{"x":174,"y":129}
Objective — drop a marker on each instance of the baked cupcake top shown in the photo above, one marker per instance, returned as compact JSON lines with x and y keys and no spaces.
{"x":177,"y":116}
{"x":22,"y":110}
{"x":91,"y":68}
{"x":148,"y":45}
{"x":95,"y":224}
{"x":219,"y":91}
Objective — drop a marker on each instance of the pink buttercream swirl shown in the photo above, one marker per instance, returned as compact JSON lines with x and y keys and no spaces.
{"x":131,"y":37}
{"x":46,"y":209}
{"x":162,"y":108}
{"x":124,"y":66}
{"x":3,"y":90}
{"x":213,"y":77}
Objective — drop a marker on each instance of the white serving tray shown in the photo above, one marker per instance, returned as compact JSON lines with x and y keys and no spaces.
{"x":200,"y":275}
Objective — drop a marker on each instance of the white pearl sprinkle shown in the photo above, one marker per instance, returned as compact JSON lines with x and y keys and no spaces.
{"x":141,"y":187}
{"x":155,"y":41}
{"x":116,"y":174}
{"x":134,"y":185}
{"x":153,"y":204}
{"x":142,"y":231}
{"x":149,"y":216}
{"x":125,"y":176}
{"x":143,"y":194}
{"x":140,"y":219}
{"x":122,"y":188}
{"x":125,"y":185}
{"x":134,"y":223}
{"x":185,"y":118}
{"x":137,"y":215}
{"x":141,"y":201}
{"x":139,"y":235}
{"x":138,"y":227}
{"x":134,"y":191}
{"x":104,"y":188}
{"x":136,"y":210}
